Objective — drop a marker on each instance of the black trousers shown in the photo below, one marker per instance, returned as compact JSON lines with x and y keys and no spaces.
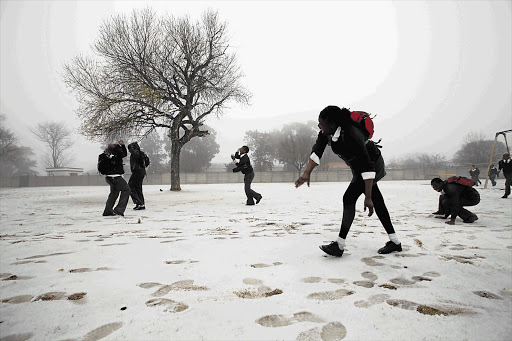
{"x":446,"y":204}
{"x":250,"y":193}
{"x":353,"y":192}
{"x":135,"y":184}
{"x":117,"y":185}
{"x":508,"y":182}
{"x":493,"y":179}
{"x":476,"y":180}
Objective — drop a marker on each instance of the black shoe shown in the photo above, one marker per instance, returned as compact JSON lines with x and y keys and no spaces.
{"x":105,"y":214}
{"x":118,"y":213}
{"x":471,"y":219}
{"x":332,"y":249}
{"x":250,"y":204}
{"x":437,"y":213}
{"x":139,"y":207}
{"x":259,"y":199}
{"x":505,"y":196}
{"x":390,"y":247}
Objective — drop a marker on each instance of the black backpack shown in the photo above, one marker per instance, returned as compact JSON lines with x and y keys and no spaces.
{"x":105,"y":163}
{"x":144,"y":159}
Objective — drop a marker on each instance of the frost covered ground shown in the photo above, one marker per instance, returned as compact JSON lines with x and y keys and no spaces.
{"x":199,"y":264}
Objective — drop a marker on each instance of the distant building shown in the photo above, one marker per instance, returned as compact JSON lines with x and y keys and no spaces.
{"x":64,"y":171}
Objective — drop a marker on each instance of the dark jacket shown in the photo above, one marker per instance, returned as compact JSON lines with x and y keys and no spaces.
{"x":474,"y":173}
{"x":359,"y":153}
{"x":456,"y":192}
{"x":244,"y":165}
{"x":117,"y":154}
{"x":493,"y":172}
{"x":506,"y":167}
{"x":136,"y":159}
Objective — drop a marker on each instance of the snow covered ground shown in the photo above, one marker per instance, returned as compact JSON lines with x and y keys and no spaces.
{"x":199,"y":264}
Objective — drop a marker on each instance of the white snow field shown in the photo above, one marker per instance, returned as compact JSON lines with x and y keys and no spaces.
{"x":200,"y":265}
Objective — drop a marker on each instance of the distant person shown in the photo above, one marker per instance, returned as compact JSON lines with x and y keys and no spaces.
{"x":138,"y":168}
{"x":453,"y":199}
{"x":110,"y":164}
{"x":244,"y":166}
{"x":349,"y":142}
{"x":474,"y":172}
{"x":493,"y":174}
{"x":505,"y":165}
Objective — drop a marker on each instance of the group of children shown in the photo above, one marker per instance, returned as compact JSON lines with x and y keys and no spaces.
{"x":351,"y":142}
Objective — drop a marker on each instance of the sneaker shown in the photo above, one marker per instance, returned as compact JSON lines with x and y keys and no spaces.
{"x":471,"y":219}
{"x":139,"y":207}
{"x":390,"y":247}
{"x":332,"y":249}
{"x":136,"y":207}
{"x":259,"y":199}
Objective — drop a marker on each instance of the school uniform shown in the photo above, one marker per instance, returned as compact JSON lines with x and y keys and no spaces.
{"x":244,"y":166}
{"x":365,"y":161}
{"x":117,"y":183}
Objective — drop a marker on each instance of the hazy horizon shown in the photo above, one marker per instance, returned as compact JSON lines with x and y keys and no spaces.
{"x":431,"y":71}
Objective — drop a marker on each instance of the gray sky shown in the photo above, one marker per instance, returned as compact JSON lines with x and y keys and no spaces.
{"x":431,"y":71}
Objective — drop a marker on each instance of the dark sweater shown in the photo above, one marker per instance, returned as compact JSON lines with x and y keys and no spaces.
{"x":352,"y":146}
{"x":244,"y":165}
{"x":118,"y":153}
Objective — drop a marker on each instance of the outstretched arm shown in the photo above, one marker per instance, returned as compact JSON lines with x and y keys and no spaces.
{"x":306,"y":175}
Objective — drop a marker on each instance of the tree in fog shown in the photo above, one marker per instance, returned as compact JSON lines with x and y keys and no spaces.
{"x":154,"y":147}
{"x":263,"y":148}
{"x":419,"y":160}
{"x":156,"y":72}
{"x":295,"y":142}
{"x":14,"y":159}
{"x":196,"y":156}
{"x":476,"y":149}
{"x":56,"y":137}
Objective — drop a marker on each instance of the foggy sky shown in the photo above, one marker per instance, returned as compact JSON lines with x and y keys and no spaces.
{"x":431,"y":71}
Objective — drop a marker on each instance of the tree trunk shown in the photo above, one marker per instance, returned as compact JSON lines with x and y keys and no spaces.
{"x":175,"y":165}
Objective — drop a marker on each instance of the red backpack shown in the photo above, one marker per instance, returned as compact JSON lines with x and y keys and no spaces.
{"x":364,"y":120}
{"x":461,"y":181}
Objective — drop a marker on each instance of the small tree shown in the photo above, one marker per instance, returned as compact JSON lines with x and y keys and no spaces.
{"x":196,"y":156}
{"x":263,"y":148}
{"x":156,"y":73}
{"x":57,"y":138}
{"x":296,"y":140}
{"x":14,"y":159}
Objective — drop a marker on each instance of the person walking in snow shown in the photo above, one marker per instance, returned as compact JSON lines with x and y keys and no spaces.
{"x":138,"y":173}
{"x":493,"y":174}
{"x":364,"y":158}
{"x":505,"y":165}
{"x":474,"y":172}
{"x":244,"y":166}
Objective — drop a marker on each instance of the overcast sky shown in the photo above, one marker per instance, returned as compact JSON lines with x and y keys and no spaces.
{"x":432,"y":71}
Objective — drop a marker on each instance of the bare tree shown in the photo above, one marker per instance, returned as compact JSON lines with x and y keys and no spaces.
{"x":57,"y":138}
{"x":156,"y":73}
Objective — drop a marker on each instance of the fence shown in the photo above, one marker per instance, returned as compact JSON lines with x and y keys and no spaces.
{"x":225,"y":177}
